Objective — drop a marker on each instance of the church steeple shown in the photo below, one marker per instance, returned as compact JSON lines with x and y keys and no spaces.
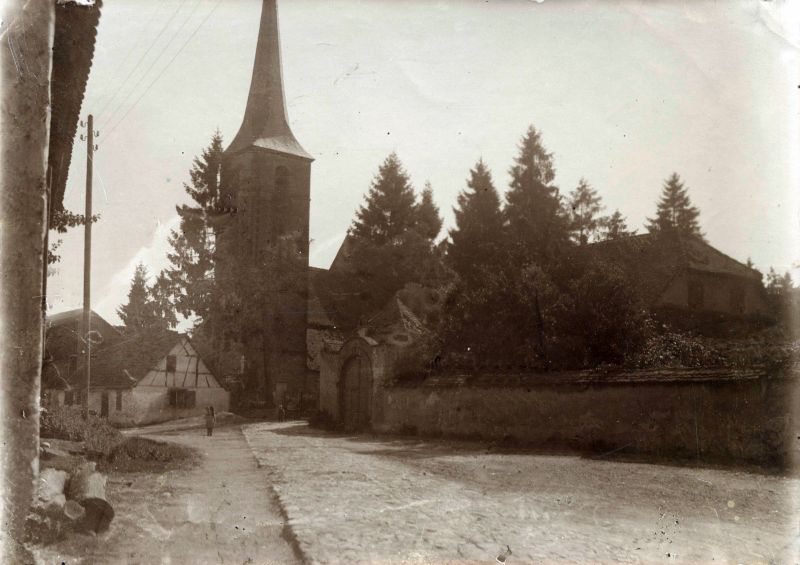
{"x":265,"y":122}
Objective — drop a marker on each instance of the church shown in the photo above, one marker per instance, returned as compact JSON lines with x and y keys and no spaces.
{"x":266,"y":180}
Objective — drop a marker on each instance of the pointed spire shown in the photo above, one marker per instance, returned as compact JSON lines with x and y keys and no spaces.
{"x":265,"y":123}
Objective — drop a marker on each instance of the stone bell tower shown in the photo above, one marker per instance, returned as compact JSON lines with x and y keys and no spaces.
{"x":266,"y":176}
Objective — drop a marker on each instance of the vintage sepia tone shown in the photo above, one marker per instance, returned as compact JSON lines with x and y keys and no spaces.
{"x":399,"y":282}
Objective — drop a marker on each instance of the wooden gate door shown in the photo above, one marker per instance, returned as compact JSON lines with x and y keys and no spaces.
{"x":356,"y":393}
{"x":104,"y":404}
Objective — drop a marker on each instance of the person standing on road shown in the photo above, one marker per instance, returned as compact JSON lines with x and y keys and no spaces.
{"x":210,"y":420}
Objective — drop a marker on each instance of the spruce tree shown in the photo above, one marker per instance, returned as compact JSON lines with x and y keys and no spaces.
{"x":584,"y":207}
{"x":428,"y":219}
{"x":391,"y":241}
{"x":390,"y":209}
{"x":476,"y":242}
{"x":614,"y":227}
{"x":675,"y":212}
{"x":191,"y":271}
{"x":162,"y":311}
{"x":136,"y":314}
{"x":538,"y":225}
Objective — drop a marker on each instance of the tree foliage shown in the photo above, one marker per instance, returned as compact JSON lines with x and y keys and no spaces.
{"x":390,"y":209}
{"x":783,"y":299}
{"x":191,"y":271}
{"x":675,"y":211}
{"x":537,"y":223}
{"x":477,"y":241}
{"x":60,"y":222}
{"x":615,"y":227}
{"x":391,"y":243}
{"x":584,"y":209}
{"x":429,"y":222}
{"x":148,"y":308}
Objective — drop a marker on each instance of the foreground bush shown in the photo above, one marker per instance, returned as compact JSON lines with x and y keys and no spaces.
{"x":67,"y":422}
{"x":142,"y":454}
{"x":106,"y":445}
{"x":673,"y":349}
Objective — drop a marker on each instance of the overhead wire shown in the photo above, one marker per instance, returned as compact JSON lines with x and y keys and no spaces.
{"x":163,"y":70}
{"x":139,"y":62}
{"x":157,"y":59}
{"x":131,"y":51}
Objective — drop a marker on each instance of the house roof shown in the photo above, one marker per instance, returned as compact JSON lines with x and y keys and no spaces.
{"x":125,"y":362}
{"x":72,"y":316}
{"x":72,"y":319}
{"x":654,"y":259}
{"x":73,"y":49}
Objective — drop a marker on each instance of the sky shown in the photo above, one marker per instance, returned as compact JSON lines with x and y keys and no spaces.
{"x":624,"y":93}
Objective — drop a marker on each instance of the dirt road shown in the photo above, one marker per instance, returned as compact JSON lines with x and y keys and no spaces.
{"x":361,"y":499}
{"x":222,"y":511}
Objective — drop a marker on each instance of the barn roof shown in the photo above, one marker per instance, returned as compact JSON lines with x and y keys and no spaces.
{"x":655,"y":259}
{"x":125,"y":362}
{"x":73,"y":49}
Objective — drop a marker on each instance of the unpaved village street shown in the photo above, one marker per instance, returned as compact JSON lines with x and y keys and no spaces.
{"x":361,"y":499}
{"x":220,"y":512}
{"x":368,"y":499}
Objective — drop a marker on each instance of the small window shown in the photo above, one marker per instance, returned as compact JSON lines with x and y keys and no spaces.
{"x":69,"y":398}
{"x":181,"y":398}
{"x":119,"y":400}
{"x":696,"y":294}
{"x":172,"y":362}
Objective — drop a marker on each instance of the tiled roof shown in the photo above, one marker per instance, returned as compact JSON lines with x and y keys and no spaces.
{"x":73,"y":50}
{"x":123,"y":363}
{"x":655,"y":259}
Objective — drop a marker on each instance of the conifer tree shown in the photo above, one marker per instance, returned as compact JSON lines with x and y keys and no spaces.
{"x":391,"y":244}
{"x":615,"y":227}
{"x":149,"y":307}
{"x":428,"y":218}
{"x":477,"y":240}
{"x":675,"y":211}
{"x":136,"y":313}
{"x":161,"y":308}
{"x":538,"y":225}
{"x":191,"y":271}
{"x":584,"y":207}
{"x":390,"y":209}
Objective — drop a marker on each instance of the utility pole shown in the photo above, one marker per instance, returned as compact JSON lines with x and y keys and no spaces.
{"x":87,"y":260}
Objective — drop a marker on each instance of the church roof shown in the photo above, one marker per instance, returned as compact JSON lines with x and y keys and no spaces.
{"x":265,"y":124}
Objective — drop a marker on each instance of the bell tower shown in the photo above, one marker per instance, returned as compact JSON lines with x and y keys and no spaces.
{"x":266,"y":177}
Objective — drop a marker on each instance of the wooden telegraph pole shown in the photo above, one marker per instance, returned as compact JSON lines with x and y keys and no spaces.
{"x":87,"y":260}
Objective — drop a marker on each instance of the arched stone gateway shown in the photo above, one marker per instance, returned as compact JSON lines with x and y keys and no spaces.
{"x":355,"y":393}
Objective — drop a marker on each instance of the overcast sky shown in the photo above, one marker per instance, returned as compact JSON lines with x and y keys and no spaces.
{"x":624,"y":93}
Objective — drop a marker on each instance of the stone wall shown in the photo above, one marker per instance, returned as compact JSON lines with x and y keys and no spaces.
{"x":714,"y":418}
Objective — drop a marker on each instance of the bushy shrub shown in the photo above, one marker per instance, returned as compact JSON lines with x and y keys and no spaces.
{"x":673,"y":349}
{"x":141,"y":454}
{"x":416,"y":361}
{"x":67,"y":422}
{"x":607,"y":314}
